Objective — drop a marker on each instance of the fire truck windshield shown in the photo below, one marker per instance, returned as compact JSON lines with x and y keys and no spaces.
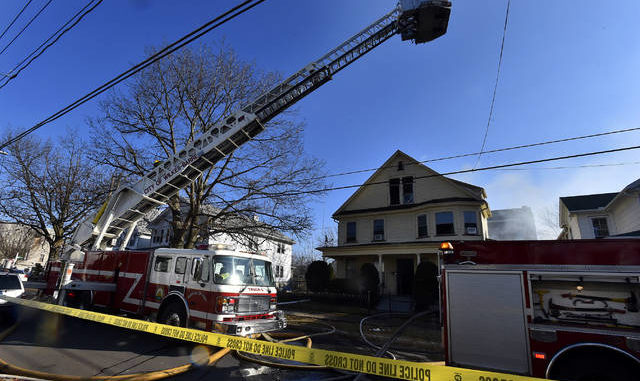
{"x":240,"y":271}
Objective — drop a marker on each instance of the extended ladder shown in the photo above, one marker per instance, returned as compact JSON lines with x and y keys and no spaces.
{"x":130,"y":203}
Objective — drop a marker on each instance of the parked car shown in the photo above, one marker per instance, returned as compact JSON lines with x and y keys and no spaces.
{"x":21,"y":273}
{"x":10,"y":285}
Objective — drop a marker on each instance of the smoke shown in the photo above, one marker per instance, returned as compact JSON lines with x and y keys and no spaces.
{"x":541,"y":189}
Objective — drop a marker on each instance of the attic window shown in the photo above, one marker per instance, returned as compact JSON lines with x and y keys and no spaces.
{"x":400,"y":166}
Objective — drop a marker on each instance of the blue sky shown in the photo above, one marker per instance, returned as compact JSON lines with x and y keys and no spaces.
{"x":569,"y":68}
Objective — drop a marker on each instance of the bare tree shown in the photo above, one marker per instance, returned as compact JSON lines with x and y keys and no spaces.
{"x":16,"y":241}
{"x":261,"y":185}
{"x":50,"y":187}
{"x":327,"y":237}
{"x":550,"y":221}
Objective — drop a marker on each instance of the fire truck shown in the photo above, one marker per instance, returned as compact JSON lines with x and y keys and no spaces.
{"x":221,"y":288}
{"x":564,"y":310}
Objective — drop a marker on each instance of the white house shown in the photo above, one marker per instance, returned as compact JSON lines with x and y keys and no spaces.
{"x":601,"y":215}
{"x":22,"y":246}
{"x":398,"y":218}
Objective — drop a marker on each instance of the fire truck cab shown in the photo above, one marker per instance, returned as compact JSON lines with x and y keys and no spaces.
{"x":565,"y":310}
{"x":220,"y":289}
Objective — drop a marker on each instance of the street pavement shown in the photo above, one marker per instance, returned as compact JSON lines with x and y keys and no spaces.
{"x":59,"y":344}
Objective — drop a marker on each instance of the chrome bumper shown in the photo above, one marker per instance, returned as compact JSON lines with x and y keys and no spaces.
{"x":250,"y":327}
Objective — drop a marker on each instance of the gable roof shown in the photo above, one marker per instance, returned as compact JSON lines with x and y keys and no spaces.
{"x":475,"y":192}
{"x":588,"y":202}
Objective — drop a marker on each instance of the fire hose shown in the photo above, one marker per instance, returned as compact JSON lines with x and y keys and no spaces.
{"x":382,"y":350}
{"x":286,"y":338}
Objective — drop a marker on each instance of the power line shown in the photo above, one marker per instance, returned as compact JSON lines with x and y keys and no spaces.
{"x":186,"y":39}
{"x":573,"y":166}
{"x":495,"y":87}
{"x":483,"y":152}
{"x":15,"y":18}
{"x":37,"y":52}
{"x":26,"y":26}
{"x":494,"y":167}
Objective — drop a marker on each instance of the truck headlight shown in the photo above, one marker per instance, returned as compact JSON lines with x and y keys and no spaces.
{"x":273,"y":303}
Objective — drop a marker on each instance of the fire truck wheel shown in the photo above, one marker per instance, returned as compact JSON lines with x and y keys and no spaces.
{"x":592,"y":364}
{"x":173,"y":314}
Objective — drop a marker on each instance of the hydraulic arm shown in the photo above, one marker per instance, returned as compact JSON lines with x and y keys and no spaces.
{"x":416,"y":20}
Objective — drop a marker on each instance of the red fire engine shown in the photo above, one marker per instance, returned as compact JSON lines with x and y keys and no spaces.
{"x":222,"y":289}
{"x":565,"y":310}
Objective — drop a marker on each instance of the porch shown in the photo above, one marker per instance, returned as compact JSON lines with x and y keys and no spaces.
{"x":396,"y":264}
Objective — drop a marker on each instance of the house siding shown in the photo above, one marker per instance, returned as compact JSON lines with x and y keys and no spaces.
{"x":424,"y":188}
{"x":403,"y":226}
{"x":621,"y":210}
{"x":627,"y":213}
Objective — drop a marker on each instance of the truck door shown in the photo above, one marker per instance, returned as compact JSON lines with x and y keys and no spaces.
{"x":486,"y":320}
{"x":178,"y":276}
{"x":198,"y":288}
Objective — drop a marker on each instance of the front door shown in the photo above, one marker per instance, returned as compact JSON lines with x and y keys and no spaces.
{"x":404,"y":276}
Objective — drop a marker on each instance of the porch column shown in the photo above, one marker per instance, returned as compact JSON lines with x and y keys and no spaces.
{"x":380,"y":269}
{"x":417,"y":260}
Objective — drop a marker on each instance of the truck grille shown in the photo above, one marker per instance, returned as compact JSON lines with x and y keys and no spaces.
{"x":253,"y":304}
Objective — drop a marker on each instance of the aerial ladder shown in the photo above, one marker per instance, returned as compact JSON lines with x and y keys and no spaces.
{"x":417,"y":20}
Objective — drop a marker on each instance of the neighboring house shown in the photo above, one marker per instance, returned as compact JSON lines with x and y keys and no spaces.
{"x":22,"y":246}
{"x":512,"y":224}
{"x":398,"y":218}
{"x":601,"y":215}
{"x":274,"y":244}
{"x":141,"y":236}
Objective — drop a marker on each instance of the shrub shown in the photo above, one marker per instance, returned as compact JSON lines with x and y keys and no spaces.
{"x":318,"y":275}
{"x":369,"y":279}
{"x":343,"y":286}
{"x":426,"y":286}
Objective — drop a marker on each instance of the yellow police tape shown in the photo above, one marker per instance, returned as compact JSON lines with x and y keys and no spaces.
{"x":406,"y":370}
